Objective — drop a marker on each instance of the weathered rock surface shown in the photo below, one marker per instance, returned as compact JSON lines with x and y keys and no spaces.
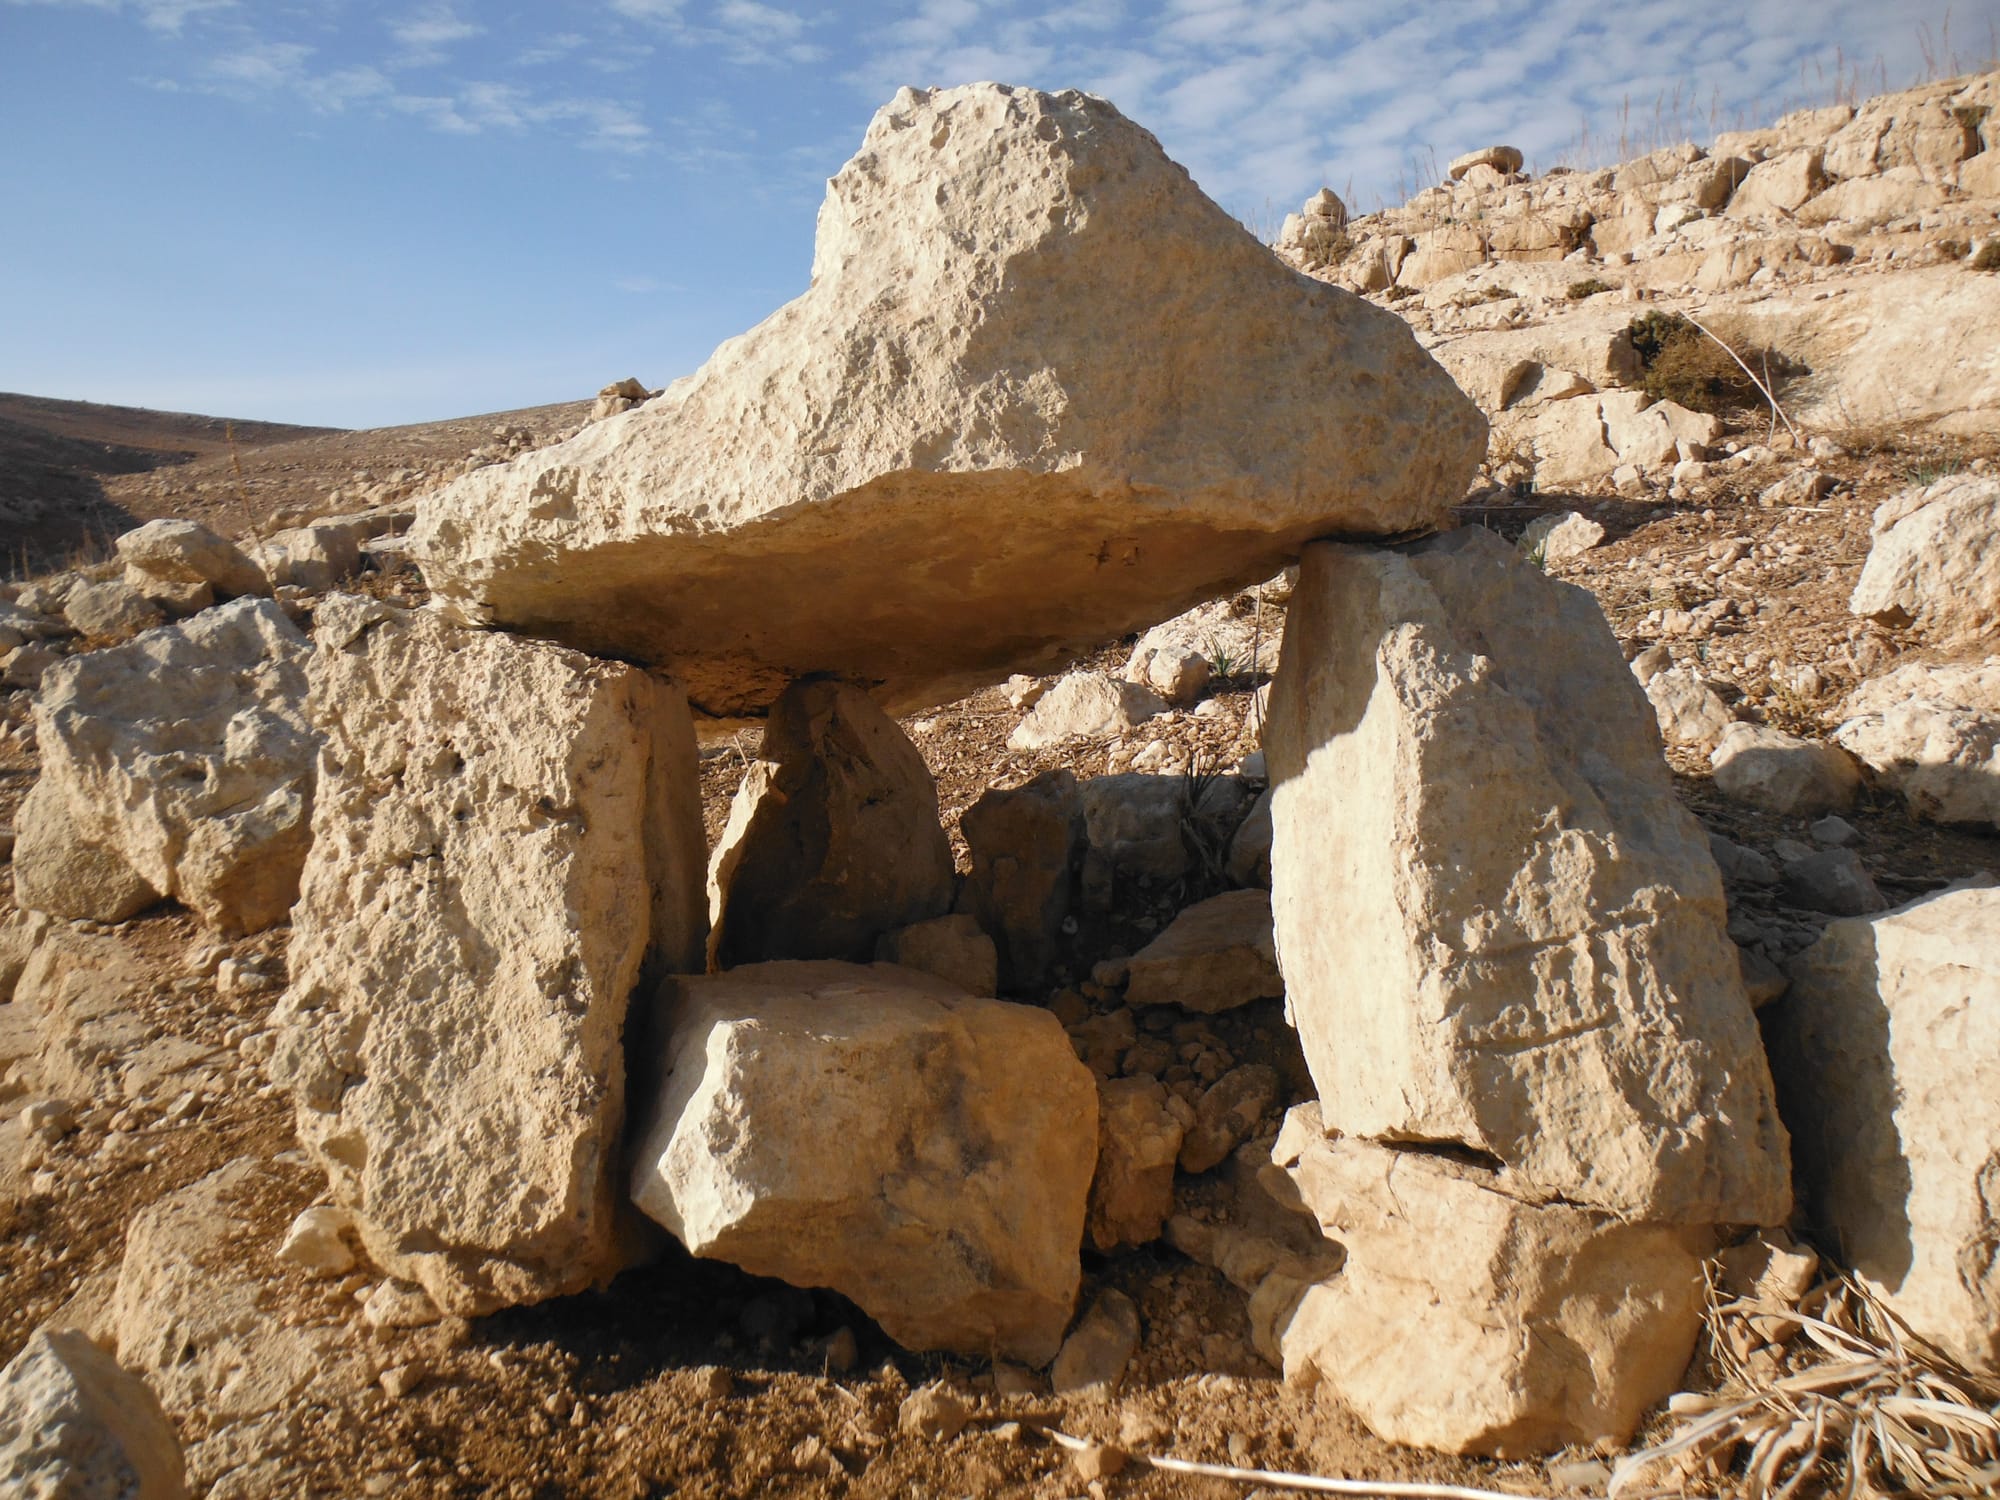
{"x":180,"y":558}
{"x":190,"y":1311}
{"x":1023,"y":841}
{"x":315,"y":557}
{"x":1498,"y":926}
{"x":1935,"y":560}
{"x":1468,"y":1320}
{"x":184,"y":757}
{"x":1138,"y":1142}
{"x":1887,"y":1052}
{"x":1689,"y":711}
{"x":833,"y":841}
{"x":1932,"y":734}
{"x":505,"y":831}
{"x":62,"y":871}
{"x":952,"y":948}
{"x":110,"y":611}
{"x":1000,"y":427}
{"x":879,"y":1132}
{"x":1216,"y":955}
{"x":1099,"y":1347}
{"x":1089,"y":705}
{"x":1782,"y":773}
{"x":73,"y":1426}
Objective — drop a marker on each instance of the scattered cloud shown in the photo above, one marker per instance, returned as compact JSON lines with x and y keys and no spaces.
{"x":426,"y":38}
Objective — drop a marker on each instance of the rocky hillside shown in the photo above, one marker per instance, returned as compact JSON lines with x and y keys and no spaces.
{"x":1071,"y":870}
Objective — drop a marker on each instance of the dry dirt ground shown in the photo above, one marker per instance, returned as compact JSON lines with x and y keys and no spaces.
{"x":691,"y":1379}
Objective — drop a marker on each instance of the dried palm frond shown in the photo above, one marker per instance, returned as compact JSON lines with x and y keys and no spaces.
{"x":1858,"y":1406}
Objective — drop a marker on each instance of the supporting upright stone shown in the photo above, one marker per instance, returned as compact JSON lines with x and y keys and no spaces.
{"x":506,"y":831}
{"x":833,"y":840}
{"x":1499,"y":929}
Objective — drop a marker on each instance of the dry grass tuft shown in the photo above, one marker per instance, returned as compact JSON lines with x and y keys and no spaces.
{"x":1864,"y":1408}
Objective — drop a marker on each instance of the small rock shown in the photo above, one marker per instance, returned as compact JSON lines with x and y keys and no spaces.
{"x":1097,"y":1460}
{"x":1561,"y":537}
{"x":932,"y":1412}
{"x":1588,"y":1476}
{"x":1782,"y":773}
{"x":1833,"y":881}
{"x":1227,"y":1114}
{"x":1092,"y":704}
{"x":1740,"y":863}
{"x":1099,"y":1347}
{"x":1834,"y":831}
{"x":318,"y":1241}
{"x":1216,"y":955}
{"x":1015,"y":1380}
{"x":714,"y":1383}
{"x":400,"y":1304}
{"x":400,"y":1380}
{"x":1023,"y":691}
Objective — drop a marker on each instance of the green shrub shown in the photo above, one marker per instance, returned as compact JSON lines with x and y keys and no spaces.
{"x":1988,"y":258}
{"x":1579,"y":290}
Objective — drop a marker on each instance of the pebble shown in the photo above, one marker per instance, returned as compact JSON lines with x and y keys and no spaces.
{"x":1097,"y":1461}
{"x":399,"y":1380}
{"x":714,"y":1383}
{"x":317,"y":1242}
{"x":934,"y":1413}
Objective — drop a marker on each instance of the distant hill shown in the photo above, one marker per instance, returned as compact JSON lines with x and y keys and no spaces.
{"x":74,"y":474}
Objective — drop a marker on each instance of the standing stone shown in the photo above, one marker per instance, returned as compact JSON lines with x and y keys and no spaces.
{"x":1499,"y":929}
{"x":73,"y":1426}
{"x":1468,"y":1320}
{"x":1004,"y":423}
{"x":1887,"y":1051}
{"x":880,"y":1132}
{"x":185,"y":757}
{"x":834,"y":840}
{"x":505,"y":832}
{"x":1024,"y":841}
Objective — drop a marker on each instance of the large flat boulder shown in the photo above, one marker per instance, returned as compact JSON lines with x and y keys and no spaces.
{"x":182,"y":764}
{"x":1002,"y":425}
{"x":505,"y":831}
{"x":1498,"y":927}
{"x":833,"y":839}
{"x":1887,"y":1050}
{"x":1465,"y":1319}
{"x":878,"y":1131}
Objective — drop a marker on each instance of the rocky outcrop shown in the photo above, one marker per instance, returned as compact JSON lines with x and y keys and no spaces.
{"x":72,"y":1424}
{"x":833,"y":838}
{"x":1887,"y":1051}
{"x":184,"y":758}
{"x":1465,"y":1319}
{"x":1931,"y":733}
{"x":1935,"y":560}
{"x":882,"y":1133}
{"x":1499,"y":929}
{"x":505,"y":832}
{"x":998,"y":428}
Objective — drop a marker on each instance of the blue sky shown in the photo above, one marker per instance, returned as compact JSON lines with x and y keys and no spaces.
{"x":363,"y":213}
